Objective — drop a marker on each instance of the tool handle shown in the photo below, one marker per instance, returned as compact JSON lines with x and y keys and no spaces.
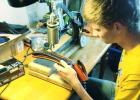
{"x":82,"y":76}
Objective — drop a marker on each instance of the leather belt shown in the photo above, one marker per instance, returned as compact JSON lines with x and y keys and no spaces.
{"x":54,"y":57}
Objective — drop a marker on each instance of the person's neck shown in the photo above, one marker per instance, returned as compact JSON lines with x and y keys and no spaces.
{"x":130,"y":41}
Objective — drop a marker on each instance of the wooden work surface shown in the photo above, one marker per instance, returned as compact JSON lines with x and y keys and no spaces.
{"x":28,"y":87}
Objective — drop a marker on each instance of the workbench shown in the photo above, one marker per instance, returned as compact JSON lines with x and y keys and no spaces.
{"x":28,"y":87}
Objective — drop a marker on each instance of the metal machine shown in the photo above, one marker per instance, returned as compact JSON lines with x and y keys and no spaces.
{"x":75,"y":23}
{"x":53,"y":28}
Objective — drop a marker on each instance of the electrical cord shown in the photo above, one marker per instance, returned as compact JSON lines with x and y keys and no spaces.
{"x":11,"y":65}
{"x":4,"y":88}
{"x":22,"y":63}
{"x":26,"y":55}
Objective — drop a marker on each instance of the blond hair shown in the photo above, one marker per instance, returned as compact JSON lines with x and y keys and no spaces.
{"x":106,"y":12}
{"x":92,"y":14}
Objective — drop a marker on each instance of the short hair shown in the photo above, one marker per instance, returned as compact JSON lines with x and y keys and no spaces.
{"x":106,"y":12}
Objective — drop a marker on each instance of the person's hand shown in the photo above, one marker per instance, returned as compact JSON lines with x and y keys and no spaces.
{"x":70,"y":76}
{"x":67,"y":72}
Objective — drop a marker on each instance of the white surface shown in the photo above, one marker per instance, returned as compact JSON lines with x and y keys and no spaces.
{"x":12,"y":15}
{"x":23,"y":15}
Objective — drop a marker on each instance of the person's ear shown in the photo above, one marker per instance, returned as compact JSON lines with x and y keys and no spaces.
{"x":117,"y":28}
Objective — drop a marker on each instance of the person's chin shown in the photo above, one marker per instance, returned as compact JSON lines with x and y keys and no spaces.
{"x":106,"y":41}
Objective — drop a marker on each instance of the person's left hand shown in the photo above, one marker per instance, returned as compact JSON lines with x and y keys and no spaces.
{"x":67,"y":72}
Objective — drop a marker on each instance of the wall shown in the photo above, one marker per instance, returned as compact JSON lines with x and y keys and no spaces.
{"x":12,"y":15}
{"x":24,"y":15}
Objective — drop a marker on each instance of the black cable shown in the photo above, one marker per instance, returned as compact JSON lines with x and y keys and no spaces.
{"x":26,"y":55}
{"x":11,"y":65}
{"x":4,"y":88}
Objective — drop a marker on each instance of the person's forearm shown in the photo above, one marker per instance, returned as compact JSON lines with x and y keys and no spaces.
{"x":81,"y":91}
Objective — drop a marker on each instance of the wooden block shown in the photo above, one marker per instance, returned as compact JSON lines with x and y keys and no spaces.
{"x":54,"y":78}
{"x":45,"y":70}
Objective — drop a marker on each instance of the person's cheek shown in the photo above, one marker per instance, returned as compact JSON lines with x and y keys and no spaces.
{"x":95,"y":33}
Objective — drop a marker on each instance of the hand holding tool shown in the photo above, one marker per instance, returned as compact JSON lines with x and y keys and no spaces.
{"x":78,"y":67}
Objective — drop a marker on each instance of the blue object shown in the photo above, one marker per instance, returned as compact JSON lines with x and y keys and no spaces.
{"x":3,"y":39}
{"x":114,"y":58}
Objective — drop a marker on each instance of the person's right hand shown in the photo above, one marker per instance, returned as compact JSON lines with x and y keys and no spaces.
{"x":67,"y":72}
{"x":70,"y":76}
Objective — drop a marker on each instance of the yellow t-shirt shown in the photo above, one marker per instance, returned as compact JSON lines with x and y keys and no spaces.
{"x":128,"y":80}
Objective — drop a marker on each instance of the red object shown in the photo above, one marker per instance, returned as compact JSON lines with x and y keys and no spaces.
{"x":82,"y":76}
{"x":78,"y":67}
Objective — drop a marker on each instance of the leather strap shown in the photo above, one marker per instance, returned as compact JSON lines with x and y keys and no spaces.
{"x":52,"y":56}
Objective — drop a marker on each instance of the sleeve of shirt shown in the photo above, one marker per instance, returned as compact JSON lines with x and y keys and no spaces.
{"x":129,"y":89}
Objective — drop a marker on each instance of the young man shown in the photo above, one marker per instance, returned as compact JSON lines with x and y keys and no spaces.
{"x":114,"y":21}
